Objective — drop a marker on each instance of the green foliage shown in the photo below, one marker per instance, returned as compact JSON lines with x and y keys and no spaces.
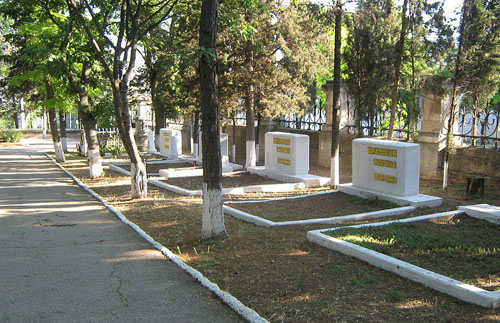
{"x":113,"y":149}
{"x":11,"y":135}
{"x":479,"y":75}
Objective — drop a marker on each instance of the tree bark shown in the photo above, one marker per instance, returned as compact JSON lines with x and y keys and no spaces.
{"x":196,"y":134}
{"x":397,"y":69}
{"x":56,"y":139}
{"x":139,"y":187}
{"x":160,"y":122}
{"x":251,"y":155}
{"x":213,"y":217}
{"x":62,"y":125}
{"x":335,"y":156}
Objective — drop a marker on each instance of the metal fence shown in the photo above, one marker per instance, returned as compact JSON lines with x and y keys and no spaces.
{"x":313,"y":120}
{"x":109,"y":137}
{"x":479,"y":128}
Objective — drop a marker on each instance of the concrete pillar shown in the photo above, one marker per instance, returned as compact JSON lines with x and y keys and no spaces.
{"x":432,"y":136}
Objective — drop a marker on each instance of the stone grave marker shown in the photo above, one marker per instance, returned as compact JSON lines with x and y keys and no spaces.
{"x":170,"y":143}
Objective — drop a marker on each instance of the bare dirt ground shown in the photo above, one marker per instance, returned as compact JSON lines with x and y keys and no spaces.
{"x":277,"y":272}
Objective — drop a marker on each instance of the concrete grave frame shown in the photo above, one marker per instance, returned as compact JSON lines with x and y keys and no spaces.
{"x":339,"y":219}
{"x":458,"y":289}
{"x":264,"y":188}
{"x":116,"y":166}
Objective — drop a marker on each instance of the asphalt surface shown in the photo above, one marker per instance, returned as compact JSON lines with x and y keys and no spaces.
{"x":65,"y":258}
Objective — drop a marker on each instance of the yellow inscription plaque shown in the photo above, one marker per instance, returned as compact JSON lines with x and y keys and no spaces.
{"x":167,"y":139}
{"x":281,"y":141}
{"x":382,"y":152}
{"x":167,"y":146}
{"x":385,"y":163}
{"x":284,"y":161}
{"x":166,"y":134}
{"x":386,"y":178}
{"x":284,"y":150}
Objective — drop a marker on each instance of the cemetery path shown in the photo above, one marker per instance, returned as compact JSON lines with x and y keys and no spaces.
{"x":65,"y":258}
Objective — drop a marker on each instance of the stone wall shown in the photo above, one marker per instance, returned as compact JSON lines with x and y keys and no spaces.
{"x":476,"y":161}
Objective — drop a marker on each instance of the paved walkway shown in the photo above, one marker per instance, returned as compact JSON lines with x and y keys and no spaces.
{"x":65,"y":258}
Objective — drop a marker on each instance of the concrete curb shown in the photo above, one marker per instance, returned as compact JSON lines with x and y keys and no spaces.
{"x":282,"y":198}
{"x":247,"y":313}
{"x":334,"y":220}
{"x":269,"y":188}
{"x":458,"y":289}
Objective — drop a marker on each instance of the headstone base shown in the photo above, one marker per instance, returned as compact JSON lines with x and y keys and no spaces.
{"x":308,"y":180}
{"x":419,"y":200}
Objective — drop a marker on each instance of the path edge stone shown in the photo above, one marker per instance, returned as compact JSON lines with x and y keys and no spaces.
{"x":245,"y":312}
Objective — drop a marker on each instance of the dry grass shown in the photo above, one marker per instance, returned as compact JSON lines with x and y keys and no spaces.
{"x":277,"y":272}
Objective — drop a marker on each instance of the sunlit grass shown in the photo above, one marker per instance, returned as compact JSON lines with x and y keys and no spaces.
{"x":463,"y":248}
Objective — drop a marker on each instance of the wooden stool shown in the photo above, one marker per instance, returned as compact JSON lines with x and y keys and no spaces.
{"x":475,"y":184}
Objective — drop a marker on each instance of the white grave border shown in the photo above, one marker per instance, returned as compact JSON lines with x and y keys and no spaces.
{"x":458,"y":289}
{"x":263,"y":188}
{"x":115,"y":166}
{"x":332,"y":220}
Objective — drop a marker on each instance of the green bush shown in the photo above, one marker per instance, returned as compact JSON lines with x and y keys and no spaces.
{"x":11,"y":135}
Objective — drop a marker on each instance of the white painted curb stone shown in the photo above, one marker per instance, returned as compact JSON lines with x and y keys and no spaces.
{"x":247,"y":313}
{"x":428,"y":278}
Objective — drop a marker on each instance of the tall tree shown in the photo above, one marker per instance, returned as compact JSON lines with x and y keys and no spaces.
{"x":367,"y":56}
{"x":213,"y":217}
{"x":36,"y":61}
{"x":399,"y":50}
{"x":477,"y":66}
{"x":335,"y":162}
{"x":114,"y":31}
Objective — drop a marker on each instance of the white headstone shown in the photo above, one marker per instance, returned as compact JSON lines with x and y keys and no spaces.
{"x":224,"y":149}
{"x":170,"y":143}
{"x":151,"y":142}
{"x":287,"y":153}
{"x":386,"y":166}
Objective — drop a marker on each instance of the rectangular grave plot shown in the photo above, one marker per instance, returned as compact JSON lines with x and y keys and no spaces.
{"x":229,"y":180}
{"x":155,"y":168}
{"x":463,"y":248}
{"x":313,"y":207}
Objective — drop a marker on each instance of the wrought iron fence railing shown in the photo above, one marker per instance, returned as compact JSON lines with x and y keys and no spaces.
{"x":109,"y":137}
{"x":479,"y":128}
{"x":313,"y":120}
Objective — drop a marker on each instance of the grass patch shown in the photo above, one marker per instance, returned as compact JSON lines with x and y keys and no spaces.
{"x":277,"y":271}
{"x":463,"y":248}
{"x":12,"y":136}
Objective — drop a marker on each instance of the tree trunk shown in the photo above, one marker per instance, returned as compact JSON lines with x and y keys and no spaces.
{"x":139,"y":183}
{"x":58,"y":149}
{"x":196,"y":134}
{"x":251,"y":156}
{"x":62,"y":125}
{"x":397,"y":69}
{"x":213,"y":217}
{"x":334,"y":161}
{"x":90,"y":127}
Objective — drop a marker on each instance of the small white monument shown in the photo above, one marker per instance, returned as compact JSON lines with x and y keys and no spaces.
{"x":389,"y":170}
{"x":170,"y":143}
{"x":287,"y":153}
{"x":151,"y":142}
{"x":287,"y":160}
{"x":224,"y":151}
